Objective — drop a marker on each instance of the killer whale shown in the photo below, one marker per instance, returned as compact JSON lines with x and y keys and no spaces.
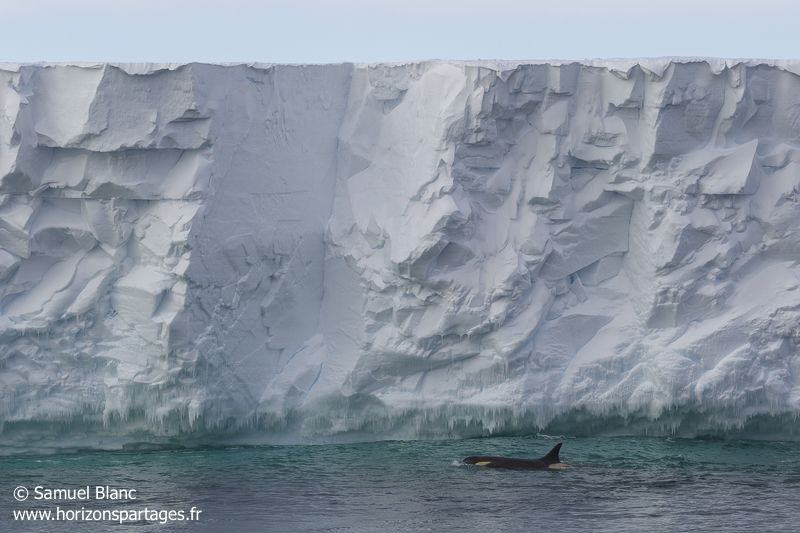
{"x":549,"y":461}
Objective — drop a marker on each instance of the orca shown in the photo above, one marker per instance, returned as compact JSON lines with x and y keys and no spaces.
{"x":549,"y":461}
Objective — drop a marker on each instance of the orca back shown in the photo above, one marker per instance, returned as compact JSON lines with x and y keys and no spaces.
{"x":551,"y":460}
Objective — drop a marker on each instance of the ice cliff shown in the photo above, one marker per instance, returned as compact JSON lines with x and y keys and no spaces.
{"x":200,"y":253}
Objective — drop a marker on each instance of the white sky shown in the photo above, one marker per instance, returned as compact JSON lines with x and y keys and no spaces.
{"x":323,"y":31}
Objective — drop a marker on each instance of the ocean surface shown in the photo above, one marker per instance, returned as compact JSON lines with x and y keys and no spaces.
{"x":617,"y":484}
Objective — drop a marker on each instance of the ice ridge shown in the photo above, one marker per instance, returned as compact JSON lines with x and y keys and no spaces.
{"x":209,"y":254}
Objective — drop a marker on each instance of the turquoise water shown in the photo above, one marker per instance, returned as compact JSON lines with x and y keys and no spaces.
{"x":618,"y":484}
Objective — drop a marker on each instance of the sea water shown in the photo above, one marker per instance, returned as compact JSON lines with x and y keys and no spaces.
{"x":615,"y":484}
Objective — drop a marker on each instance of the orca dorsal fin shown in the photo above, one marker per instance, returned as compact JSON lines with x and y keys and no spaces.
{"x":552,"y":456}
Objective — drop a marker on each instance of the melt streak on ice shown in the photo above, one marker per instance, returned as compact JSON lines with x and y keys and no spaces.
{"x":200,"y":253}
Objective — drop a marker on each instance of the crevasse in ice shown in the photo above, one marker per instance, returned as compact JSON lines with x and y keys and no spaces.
{"x":198,"y":253}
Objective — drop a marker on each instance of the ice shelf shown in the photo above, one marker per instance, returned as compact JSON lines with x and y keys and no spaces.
{"x":253,"y":253}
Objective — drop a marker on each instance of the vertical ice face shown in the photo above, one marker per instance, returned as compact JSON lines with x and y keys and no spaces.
{"x":194,"y":253}
{"x":109,"y":171}
{"x":162,"y":235}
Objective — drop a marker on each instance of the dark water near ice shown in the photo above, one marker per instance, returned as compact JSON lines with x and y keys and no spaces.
{"x":619,"y":484}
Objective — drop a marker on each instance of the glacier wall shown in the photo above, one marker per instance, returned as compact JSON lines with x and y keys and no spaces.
{"x":209,"y":254}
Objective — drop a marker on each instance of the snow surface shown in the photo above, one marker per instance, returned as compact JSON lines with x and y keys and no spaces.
{"x":195,"y":254}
